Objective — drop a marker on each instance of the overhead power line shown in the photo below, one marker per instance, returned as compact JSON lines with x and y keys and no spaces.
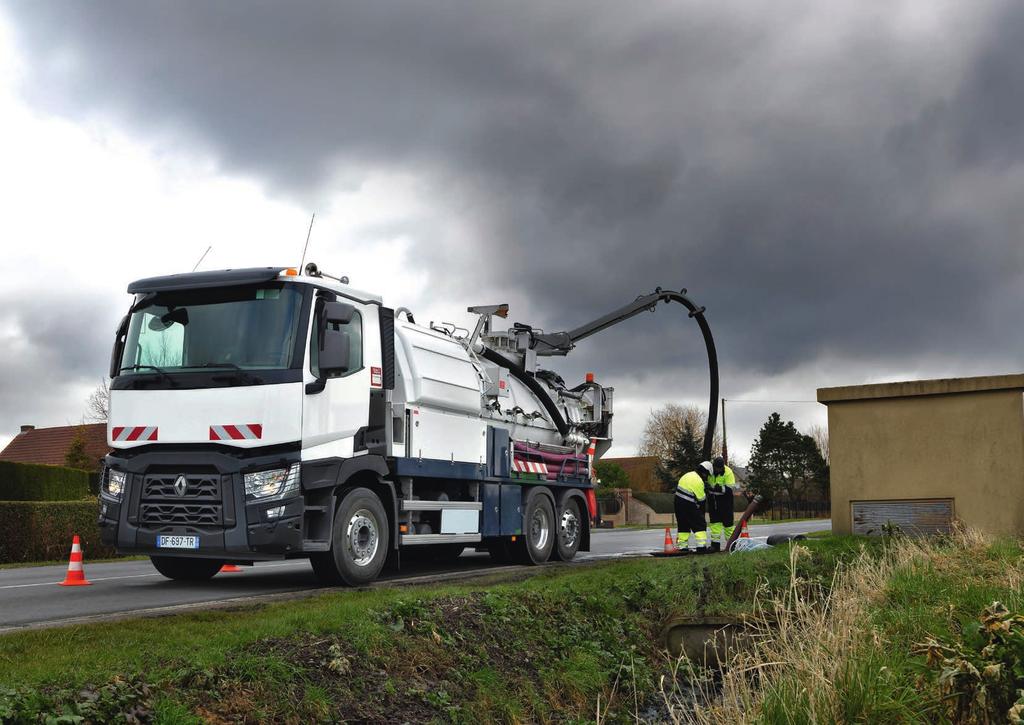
{"x":751,"y":400}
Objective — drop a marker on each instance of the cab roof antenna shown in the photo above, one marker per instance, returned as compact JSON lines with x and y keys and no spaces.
{"x":307,"y":241}
{"x":202,"y":258}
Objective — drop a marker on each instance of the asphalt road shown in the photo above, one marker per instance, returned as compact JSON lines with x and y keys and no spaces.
{"x":30,"y":597}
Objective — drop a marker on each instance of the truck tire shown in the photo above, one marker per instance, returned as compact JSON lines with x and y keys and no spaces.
{"x":569,"y":529}
{"x":538,"y":539}
{"x":359,"y":541}
{"x":182,"y":568}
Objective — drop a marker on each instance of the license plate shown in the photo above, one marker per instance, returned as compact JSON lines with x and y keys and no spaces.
{"x":177,"y":542}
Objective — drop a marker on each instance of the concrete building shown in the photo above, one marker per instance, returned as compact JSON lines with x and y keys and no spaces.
{"x":920,"y":453}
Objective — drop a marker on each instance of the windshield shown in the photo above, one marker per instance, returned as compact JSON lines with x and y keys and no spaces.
{"x":244,"y":328}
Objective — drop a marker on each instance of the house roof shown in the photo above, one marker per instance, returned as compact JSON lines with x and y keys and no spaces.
{"x":50,"y":445}
{"x":642,"y":471}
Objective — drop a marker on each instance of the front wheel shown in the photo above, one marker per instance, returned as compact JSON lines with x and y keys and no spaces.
{"x":570,"y":530}
{"x":359,"y":543}
{"x":182,"y":568}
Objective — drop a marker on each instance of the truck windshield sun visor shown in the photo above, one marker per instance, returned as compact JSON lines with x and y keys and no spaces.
{"x":233,"y":335}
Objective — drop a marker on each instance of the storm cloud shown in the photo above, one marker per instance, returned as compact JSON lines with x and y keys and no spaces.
{"x":838,"y":183}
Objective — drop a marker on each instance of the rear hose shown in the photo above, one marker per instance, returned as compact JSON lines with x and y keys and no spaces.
{"x":530,"y":382}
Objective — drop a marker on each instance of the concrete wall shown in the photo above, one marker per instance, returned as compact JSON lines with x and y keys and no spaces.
{"x":960,"y":438}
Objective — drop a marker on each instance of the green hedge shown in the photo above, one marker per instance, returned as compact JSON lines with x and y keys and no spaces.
{"x":35,"y":482}
{"x":662,"y":502}
{"x":42,"y":530}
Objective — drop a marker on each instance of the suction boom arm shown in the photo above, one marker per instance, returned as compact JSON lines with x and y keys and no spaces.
{"x":560,"y":343}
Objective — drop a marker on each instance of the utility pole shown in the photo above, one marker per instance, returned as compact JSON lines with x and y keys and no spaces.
{"x":725,"y":441}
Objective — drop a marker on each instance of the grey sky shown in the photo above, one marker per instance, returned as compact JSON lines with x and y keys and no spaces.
{"x":838,"y":182}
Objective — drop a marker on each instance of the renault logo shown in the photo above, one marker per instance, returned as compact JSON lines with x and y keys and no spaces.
{"x":180,"y":485}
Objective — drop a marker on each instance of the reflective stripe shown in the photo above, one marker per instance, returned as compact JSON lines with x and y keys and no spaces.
{"x":236,"y":432}
{"x":692,"y":483}
{"x":523,"y":466}
{"x":134,"y":433}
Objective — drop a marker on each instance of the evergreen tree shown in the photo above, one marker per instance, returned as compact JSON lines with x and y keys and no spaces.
{"x":686,"y":455}
{"x":76,"y":457}
{"x":783,"y":460}
{"x":612,"y":475}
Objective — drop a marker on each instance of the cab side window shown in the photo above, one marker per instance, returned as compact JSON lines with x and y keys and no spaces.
{"x":354,"y":331}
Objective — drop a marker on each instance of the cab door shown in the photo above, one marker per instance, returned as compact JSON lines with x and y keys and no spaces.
{"x":337,"y":402}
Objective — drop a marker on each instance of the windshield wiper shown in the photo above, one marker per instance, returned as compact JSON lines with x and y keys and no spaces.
{"x":240,"y":374}
{"x":159,"y":371}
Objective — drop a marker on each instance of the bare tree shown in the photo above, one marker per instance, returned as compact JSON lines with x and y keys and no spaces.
{"x":820,"y":435}
{"x":665,"y":427}
{"x":97,"y":407}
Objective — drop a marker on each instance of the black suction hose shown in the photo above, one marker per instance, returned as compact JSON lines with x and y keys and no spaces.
{"x":562,"y":342}
{"x":531,"y":382}
{"x":709,"y":342}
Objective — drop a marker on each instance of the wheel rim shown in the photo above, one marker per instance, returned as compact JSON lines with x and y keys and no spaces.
{"x":570,"y":525}
{"x":362,"y":538}
{"x":540,"y":529}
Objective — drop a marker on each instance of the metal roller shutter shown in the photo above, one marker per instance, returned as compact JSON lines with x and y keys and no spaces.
{"x":918,"y":517}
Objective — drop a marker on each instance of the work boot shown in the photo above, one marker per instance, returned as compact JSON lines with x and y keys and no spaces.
{"x":716,"y":547}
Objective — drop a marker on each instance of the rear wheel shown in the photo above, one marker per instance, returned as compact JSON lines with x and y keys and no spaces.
{"x":359,"y":543}
{"x":538,"y":539}
{"x":570,"y":530}
{"x":182,"y":568}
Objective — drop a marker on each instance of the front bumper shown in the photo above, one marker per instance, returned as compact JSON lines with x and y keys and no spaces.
{"x":214,"y":507}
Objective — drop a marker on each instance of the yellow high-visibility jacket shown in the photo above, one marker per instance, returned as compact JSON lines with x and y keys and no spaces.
{"x":728,"y":478}
{"x":691,"y":486}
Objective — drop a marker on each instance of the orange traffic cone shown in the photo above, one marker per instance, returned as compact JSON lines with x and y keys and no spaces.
{"x":229,"y":569}
{"x":76,"y":574}
{"x":743,"y":531}
{"x":670,"y":547}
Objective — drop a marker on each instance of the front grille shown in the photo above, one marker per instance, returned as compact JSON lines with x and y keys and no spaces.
{"x":198,"y":504}
{"x":182,"y":513}
{"x":161,"y":486}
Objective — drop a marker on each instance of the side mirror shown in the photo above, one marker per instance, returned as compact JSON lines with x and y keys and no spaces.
{"x":337,"y":312}
{"x":115,"y":354}
{"x":335,"y":346}
{"x":334,"y":353}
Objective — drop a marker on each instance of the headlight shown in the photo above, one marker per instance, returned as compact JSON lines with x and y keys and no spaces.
{"x":113,"y":484}
{"x":278,"y":482}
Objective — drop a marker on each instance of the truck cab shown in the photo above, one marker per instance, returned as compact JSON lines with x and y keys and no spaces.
{"x":262,"y":414}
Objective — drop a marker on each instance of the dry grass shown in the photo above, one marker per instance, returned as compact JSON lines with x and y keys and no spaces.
{"x":817,"y":658}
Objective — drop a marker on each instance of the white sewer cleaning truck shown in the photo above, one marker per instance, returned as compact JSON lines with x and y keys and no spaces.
{"x":267,"y":413}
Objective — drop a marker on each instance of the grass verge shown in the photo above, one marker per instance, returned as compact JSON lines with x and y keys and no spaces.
{"x":545,"y":649}
{"x":893,"y":636}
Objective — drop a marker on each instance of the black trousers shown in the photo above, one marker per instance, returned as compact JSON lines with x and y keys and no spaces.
{"x":720,"y":511}
{"x":689,"y":514}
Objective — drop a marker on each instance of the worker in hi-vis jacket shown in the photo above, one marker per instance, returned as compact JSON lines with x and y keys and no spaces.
{"x":720,"y":488}
{"x":689,"y":505}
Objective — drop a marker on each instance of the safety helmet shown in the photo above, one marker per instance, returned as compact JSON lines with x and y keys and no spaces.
{"x":706,"y":465}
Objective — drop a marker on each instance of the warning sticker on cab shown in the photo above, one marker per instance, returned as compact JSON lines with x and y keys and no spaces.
{"x":376,"y":378}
